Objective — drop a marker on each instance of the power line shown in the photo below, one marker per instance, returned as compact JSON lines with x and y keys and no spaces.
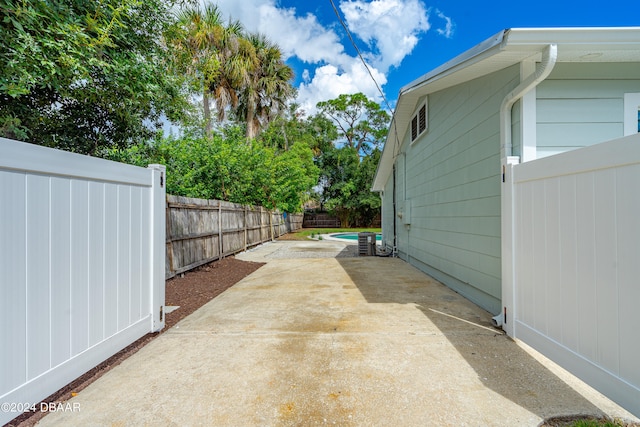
{"x":396,"y":142}
{"x":384,"y":98}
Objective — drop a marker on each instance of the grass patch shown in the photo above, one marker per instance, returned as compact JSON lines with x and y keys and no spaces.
{"x":305,"y":233}
{"x":596,"y":423}
{"x":586,"y":421}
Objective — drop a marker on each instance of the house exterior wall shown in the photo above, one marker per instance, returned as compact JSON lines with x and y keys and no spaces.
{"x":581,"y":104}
{"x":448,"y":182}
{"x":388,"y":215}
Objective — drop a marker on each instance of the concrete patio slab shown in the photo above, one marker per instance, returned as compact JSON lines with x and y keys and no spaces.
{"x":316,"y":337}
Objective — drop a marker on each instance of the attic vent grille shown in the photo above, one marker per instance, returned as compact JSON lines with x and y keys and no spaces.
{"x":414,"y":128}
{"x":419,"y":122}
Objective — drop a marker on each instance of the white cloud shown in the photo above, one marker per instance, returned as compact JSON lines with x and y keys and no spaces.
{"x":300,"y":36}
{"x":303,"y":37}
{"x":306,"y":76}
{"x":390,"y":29}
{"x":330,"y":81}
{"x":447,"y":31}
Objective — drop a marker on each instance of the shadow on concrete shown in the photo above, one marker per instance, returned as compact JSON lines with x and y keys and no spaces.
{"x":500,"y":364}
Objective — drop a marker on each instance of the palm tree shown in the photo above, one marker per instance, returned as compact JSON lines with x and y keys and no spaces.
{"x":238,"y":58}
{"x":193,"y":39}
{"x":269,"y":87}
{"x":216,"y":55}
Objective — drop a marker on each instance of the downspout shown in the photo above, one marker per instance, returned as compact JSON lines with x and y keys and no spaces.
{"x":549,"y":58}
{"x":395,"y":212}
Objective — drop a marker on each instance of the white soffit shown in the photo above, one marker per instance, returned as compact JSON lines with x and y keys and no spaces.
{"x":507,"y":48}
{"x":510,"y":47}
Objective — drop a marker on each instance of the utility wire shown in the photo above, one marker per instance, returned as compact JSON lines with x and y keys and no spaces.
{"x":384,"y":98}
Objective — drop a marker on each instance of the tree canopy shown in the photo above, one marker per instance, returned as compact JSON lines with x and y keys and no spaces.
{"x":100,"y":77}
{"x":225,"y":167}
{"x":360,"y":121}
{"x":347,"y":167}
{"x":243,"y":73}
{"x":81,"y":75}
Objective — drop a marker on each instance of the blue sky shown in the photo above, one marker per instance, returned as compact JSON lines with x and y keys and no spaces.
{"x":400,"y":39}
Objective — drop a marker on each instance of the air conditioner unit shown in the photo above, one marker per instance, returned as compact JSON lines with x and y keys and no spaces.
{"x":366,"y":244}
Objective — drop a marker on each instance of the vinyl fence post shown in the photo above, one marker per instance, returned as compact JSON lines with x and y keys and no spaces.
{"x":158,"y":245}
{"x":508,"y":245}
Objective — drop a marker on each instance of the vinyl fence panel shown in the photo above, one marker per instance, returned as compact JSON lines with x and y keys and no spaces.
{"x":80,"y":243}
{"x":577,"y":266}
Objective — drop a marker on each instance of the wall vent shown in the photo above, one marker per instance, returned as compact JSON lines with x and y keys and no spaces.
{"x":420,"y":121}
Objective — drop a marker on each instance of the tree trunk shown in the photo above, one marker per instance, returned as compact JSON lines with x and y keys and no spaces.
{"x":286,"y":141}
{"x":251,"y":114}
{"x":343,"y":216}
{"x":208,"y":128}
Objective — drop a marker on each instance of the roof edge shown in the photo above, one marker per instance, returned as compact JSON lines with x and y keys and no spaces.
{"x":508,"y":39}
{"x":471,"y":55}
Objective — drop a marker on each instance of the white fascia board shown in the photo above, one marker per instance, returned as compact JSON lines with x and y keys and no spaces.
{"x":578,"y":36}
{"x":385,"y":164}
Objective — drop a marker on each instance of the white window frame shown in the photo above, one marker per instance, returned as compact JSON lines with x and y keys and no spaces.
{"x":415,"y":121}
{"x":631,"y":108}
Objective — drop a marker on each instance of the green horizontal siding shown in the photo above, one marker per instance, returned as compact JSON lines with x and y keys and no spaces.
{"x":583,"y":104}
{"x":466,"y":225}
{"x":388,"y":216}
{"x":453,"y":182}
{"x":577,"y":134}
{"x":590,"y":110}
{"x":481,"y":208}
{"x":581,"y":89}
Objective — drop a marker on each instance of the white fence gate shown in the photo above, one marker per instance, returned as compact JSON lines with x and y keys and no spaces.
{"x":576,"y":263}
{"x":81,"y":266}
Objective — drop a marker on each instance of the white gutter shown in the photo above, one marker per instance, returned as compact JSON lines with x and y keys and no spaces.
{"x":549,"y":57}
{"x":471,"y":56}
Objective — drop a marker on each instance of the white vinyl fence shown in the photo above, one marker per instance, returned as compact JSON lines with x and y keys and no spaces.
{"x":576,"y":264}
{"x":82,"y":259}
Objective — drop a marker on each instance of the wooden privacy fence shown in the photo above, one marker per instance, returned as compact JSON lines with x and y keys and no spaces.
{"x":200,"y":231}
{"x":320,"y":220}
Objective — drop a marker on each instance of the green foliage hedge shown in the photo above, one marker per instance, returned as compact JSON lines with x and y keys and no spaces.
{"x":227,"y":167}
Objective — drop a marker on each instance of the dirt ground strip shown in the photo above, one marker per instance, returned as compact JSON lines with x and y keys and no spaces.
{"x":189,"y":291}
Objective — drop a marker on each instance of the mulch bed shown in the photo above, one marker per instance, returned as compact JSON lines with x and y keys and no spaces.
{"x":190,"y":291}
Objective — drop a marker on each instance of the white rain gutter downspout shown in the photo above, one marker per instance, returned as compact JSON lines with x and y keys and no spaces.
{"x":549,"y":57}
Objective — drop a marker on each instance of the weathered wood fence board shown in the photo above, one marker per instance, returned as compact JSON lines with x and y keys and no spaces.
{"x":200,"y":231}
{"x":320,"y":220}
